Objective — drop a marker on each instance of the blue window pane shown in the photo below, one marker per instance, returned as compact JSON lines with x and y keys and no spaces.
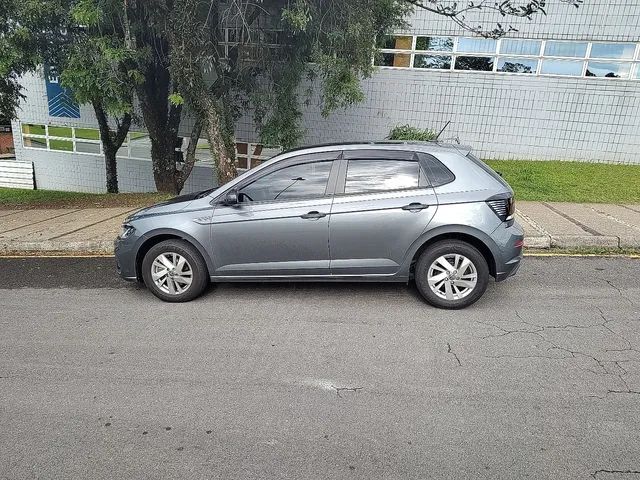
{"x":442,"y":62}
{"x":613,"y":50}
{"x":565,"y":49}
{"x":439,"y":44}
{"x":562,"y":67}
{"x":520,"y":47}
{"x":517,"y":65}
{"x":476,"y":45}
{"x":609,"y":70}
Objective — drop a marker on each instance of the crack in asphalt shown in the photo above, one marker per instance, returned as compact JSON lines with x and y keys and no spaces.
{"x":613,"y":368}
{"x":455,"y":355}
{"x":619,"y":290}
{"x":346,"y":389}
{"x":621,"y":472}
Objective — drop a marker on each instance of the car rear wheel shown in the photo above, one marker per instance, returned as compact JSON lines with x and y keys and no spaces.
{"x":174,"y":271}
{"x":451,"y":274}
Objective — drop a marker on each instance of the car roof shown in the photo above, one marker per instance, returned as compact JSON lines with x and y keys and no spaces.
{"x":415,"y":146}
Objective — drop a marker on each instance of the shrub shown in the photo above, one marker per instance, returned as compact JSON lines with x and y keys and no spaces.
{"x":407,"y":132}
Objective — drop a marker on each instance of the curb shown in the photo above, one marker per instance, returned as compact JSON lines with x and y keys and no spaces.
{"x":93,"y":246}
{"x":540,"y":242}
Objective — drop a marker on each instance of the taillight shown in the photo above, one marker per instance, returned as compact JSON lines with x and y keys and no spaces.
{"x":503,"y":207}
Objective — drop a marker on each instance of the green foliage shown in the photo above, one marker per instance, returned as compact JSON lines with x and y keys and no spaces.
{"x":30,"y":35}
{"x":407,"y":132}
{"x":101,"y":69}
{"x":176,"y":99}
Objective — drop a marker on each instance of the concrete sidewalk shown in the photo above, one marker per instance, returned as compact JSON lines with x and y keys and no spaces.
{"x":564,"y":225}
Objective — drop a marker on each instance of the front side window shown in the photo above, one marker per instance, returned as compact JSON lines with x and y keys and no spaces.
{"x":307,"y":180}
{"x":380,"y":175}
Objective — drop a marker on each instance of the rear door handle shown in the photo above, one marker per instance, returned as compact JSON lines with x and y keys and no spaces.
{"x":313,"y":215}
{"x":415,"y":206}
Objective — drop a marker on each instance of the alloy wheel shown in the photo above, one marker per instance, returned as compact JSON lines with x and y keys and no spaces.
{"x":452,"y":276}
{"x":171,"y":273}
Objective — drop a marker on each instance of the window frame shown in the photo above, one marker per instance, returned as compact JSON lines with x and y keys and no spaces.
{"x":498,"y":55}
{"x":379,"y":154}
{"x":330,"y":156}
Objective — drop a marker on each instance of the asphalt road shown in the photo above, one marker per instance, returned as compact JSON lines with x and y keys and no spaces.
{"x":540,"y":379}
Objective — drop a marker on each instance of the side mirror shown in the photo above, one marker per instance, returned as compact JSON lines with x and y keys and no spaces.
{"x":231,"y":198}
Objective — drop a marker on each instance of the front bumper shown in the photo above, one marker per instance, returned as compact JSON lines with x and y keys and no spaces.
{"x":125,"y":254}
{"x":509,"y":240}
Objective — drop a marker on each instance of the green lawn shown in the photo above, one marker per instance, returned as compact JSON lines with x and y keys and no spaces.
{"x":19,"y":198}
{"x":556,"y":181}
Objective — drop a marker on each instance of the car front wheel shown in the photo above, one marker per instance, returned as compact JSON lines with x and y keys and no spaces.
{"x":451,"y":274}
{"x":174,"y":271}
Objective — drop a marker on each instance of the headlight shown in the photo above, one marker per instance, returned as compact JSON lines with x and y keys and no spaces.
{"x":126,"y":230}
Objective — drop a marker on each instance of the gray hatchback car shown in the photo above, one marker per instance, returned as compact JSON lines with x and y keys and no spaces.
{"x":383,"y":212}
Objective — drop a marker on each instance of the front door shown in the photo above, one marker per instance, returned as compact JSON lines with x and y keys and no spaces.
{"x":383,"y":202}
{"x":280,"y":226}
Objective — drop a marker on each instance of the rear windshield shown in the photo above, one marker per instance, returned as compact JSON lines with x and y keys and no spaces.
{"x":488,"y":169}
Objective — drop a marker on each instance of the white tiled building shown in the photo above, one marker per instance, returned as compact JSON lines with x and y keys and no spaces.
{"x":565,"y":86}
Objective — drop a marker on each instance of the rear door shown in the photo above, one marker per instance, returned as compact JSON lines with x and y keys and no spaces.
{"x":383,"y":202}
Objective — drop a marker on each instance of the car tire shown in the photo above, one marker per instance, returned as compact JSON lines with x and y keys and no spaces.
{"x":445,"y":286}
{"x":186,"y":273}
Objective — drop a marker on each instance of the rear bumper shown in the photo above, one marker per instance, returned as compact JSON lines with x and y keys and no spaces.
{"x":509,"y":239}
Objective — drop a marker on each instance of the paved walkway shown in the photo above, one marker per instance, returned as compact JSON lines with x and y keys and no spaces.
{"x":565,"y":225}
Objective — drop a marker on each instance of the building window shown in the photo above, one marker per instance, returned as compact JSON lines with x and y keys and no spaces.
{"x":520,"y":47}
{"x":511,"y":56}
{"x":435,"y":44}
{"x":517,"y":65}
{"x":60,"y":138}
{"x":440,"y":62}
{"x":621,"y":51}
{"x":481,"y":64}
{"x":608,"y":69}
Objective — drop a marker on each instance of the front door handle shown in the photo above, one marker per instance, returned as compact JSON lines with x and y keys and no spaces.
{"x":313,"y":215}
{"x":415,"y":206}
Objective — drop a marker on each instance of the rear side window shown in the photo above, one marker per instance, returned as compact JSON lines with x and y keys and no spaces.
{"x":377,"y":175}
{"x":438,"y":173}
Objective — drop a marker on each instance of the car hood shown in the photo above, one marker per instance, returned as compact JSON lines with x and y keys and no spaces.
{"x":168,"y":206}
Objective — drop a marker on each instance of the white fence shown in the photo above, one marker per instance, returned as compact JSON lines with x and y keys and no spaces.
{"x":16,"y":174}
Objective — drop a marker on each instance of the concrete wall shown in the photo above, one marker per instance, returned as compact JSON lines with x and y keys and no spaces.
{"x":504,"y":116}
{"x":85,"y":172}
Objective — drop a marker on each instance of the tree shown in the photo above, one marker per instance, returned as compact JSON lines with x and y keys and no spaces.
{"x":30,"y":35}
{"x":82,"y":39}
{"x":100,"y":70}
{"x":275,"y":45}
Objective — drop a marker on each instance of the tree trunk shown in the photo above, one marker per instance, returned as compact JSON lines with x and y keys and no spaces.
{"x":164,"y":162}
{"x":111,"y":142}
{"x":190,"y":156}
{"x":111,"y":168}
{"x":221,"y":142}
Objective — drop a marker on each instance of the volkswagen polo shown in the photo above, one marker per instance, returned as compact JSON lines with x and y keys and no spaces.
{"x":382,"y":212}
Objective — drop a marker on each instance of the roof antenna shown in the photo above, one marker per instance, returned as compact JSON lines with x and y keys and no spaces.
{"x":443,"y":128}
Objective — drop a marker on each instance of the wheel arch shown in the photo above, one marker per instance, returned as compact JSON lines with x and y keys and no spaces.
{"x":150,"y":239}
{"x":470,"y":235}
